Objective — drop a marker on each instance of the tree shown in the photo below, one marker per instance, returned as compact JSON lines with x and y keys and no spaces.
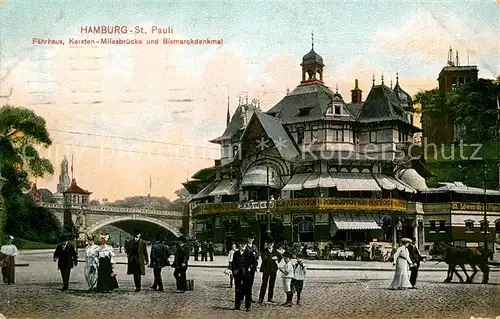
{"x":95,"y":202}
{"x":20,"y":131}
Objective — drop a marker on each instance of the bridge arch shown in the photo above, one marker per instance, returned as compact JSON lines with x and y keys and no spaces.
{"x":113,"y":220}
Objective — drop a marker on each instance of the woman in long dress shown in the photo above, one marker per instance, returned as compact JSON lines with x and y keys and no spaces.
{"x":91,"y":262}
{"x":8,"y":254}
{"x":106,"y":278}
{"x":403,"y":262}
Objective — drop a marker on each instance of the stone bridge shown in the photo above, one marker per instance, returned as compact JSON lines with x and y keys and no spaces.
{"x":89,"y":219}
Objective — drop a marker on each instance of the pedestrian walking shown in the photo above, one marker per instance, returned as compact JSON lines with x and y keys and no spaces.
{"x":230,"y":256}
{"x":67,"y":258}
{"x":269,"y":267}
{"x":402,"y":262}
{"x":91,"y":262}
{"x":159,"y":259}
{"x":243,"y":267}
{"x":254,"y":251}
{"x":204,"y":251}
{"x":415,"y":258}
{"x":106,"y":277}
{"x":181,"y":265}
{"x":210,"y":249}
{"x":8,"y":253}
{"x":299,"y":275}
{"x":137,"y":259}
{"x":196,"y":249}
{"x":287,"y":276}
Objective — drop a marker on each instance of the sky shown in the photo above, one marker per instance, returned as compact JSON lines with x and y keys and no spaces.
{"x":128,"y":112}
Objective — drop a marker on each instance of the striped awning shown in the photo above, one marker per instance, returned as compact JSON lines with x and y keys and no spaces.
{"x":355,"y":182}
{"x":258,"y":176}
{"x":354,"y":222}
{"x":226,"y":187}
{"x":390,"y":183}
{"x":296,"y":182}
{"x":205,"y":192}
{"x":317,"y":180}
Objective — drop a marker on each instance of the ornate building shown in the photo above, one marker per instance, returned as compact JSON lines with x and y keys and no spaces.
{"x":315,"y":169}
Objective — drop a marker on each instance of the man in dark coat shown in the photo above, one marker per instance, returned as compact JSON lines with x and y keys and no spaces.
{"x":181,"y":264}
{"x":269,"y":267}
{"x":204,"y":250}
{"x":210,"y":249}
{"x":67,"y":258}
{"x":416,"y":258}
{"x":254,"y":251}
{"x":159,"y":259}
{"x":137,"y":259}
{"x":243,"y":267}
{"x":196,"y":249}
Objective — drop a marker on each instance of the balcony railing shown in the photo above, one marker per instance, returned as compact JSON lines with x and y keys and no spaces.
{"x":309,"y":204}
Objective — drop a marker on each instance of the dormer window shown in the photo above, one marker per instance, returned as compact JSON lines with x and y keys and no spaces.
{"x":235,"y":150}
{"x":304,"y":111}
{"x":329,"y":110}
{"x":337,"y":109}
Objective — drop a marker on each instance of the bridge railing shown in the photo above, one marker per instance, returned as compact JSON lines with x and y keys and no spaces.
{"x":114,"y":209}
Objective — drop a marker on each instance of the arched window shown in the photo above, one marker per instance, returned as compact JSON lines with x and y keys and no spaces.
{"x":469,"y":226}
{"x":235,"y":150}
{"x":497,"y":227}
{"x":487,"y":226}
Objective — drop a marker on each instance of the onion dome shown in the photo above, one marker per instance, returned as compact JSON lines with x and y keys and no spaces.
{"x":312,"y":58}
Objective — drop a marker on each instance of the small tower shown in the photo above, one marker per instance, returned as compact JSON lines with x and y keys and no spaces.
{"x":228,"y":118}
{"x":312,"y":67}
{"x":356,"y":93}
{"x":75,"y":195}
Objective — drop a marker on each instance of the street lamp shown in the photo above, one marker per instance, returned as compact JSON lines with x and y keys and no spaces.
{"x":485,"y":219}
{"x":120,"y":251}
{"x":268,"y":213}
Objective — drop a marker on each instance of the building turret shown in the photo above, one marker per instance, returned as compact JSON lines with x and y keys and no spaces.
{"x":356,"y":93}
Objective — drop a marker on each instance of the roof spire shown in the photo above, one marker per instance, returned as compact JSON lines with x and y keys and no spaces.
{"x":228,"y":119}
{"x":382,"y":78}
{"x":397,"y":78}
{"x":312,"y":39}
{"x":287,"y":89}
{"x":391,"y":84}
{"x":337,"y":88}
{"x":457,"y":62}
{"x":450,"y":57}
{"x":373,"y":80}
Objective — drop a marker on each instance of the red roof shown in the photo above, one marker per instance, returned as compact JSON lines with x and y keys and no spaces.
{"x":75,"y":189}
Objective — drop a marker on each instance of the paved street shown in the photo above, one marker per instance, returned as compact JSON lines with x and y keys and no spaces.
{"x":327,"y":294}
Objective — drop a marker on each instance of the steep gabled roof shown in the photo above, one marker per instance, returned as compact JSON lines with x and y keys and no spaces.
{"x":316,"y":97}
{"x":381,"y":104}
{"x":235,"y":125}
{"x":279,"y":135}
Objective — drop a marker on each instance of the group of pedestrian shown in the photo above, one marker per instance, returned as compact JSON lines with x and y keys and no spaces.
{"x":206,"y":249}
{"x":407,"y":260}
{"x":243,"y":262}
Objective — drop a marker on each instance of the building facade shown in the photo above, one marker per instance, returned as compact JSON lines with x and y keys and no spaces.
{"x":317,"y":169}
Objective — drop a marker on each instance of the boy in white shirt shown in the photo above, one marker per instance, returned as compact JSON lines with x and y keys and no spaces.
{"x":287,"y":276}
{"x":299,"y":274}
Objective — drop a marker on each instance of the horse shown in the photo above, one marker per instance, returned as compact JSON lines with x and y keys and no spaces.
{"x":461,"y":256}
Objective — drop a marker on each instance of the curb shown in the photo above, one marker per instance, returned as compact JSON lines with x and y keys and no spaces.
{"x":314,"y":268}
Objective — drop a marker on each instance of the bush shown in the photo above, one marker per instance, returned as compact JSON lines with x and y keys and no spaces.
{"x":28,"y":244}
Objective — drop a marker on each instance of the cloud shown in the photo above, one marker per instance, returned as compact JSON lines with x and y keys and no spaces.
{"x":432,"y":35}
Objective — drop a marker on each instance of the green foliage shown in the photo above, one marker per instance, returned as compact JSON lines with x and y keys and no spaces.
{"x":28,"y":244}
{"x":20,"y":131}
{"x":150,"y":202}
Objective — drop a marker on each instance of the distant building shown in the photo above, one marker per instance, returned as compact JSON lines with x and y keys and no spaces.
{"x":64,"y":181}
{"x":441,"y":128}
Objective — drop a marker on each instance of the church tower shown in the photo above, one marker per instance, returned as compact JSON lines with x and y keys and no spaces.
{"x":312,"y":67}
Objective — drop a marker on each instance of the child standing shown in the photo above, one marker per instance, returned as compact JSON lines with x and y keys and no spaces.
{"x":287,"y":275}
{"x":230,"y":261}
{"x":299,"y":274}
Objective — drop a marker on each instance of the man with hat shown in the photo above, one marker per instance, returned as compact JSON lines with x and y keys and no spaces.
{"x":269,"y":267}
{"x":181,"y":264}
{"x":137,"y":259}
{"x":415,"y":258}
{"x":253,"y":251}
{"x":67,"y":258}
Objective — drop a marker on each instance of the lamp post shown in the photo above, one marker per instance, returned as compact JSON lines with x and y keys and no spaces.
{"x":485,"y":219}
{"x":120,"y":251}
{"x":2,"y":211}
{"x":268,"y":213}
